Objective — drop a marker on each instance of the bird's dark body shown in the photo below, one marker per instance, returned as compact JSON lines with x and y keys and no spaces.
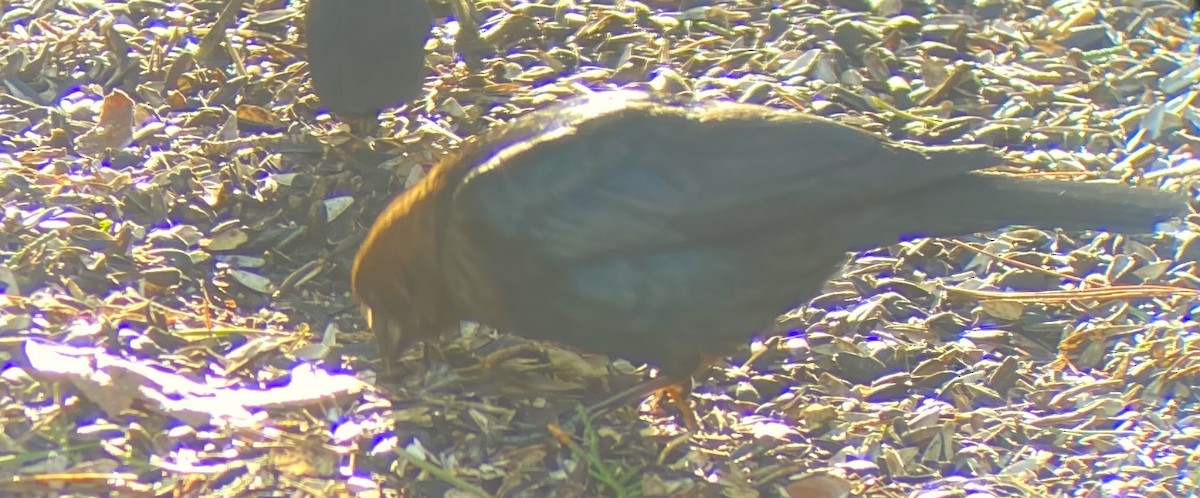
{"x":366,"y":55}
{"x":660,"y":232}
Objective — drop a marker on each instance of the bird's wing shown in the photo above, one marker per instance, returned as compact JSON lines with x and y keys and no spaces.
{"x":622,"y":174}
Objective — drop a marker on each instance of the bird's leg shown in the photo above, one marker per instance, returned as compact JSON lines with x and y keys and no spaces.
{"x":678,"y":393}
{"x":666,"y":385}
{"x":636,"y":391}
{"x":362,"y":126}
{"x":569,"y":423}
{"x":468,"y":42}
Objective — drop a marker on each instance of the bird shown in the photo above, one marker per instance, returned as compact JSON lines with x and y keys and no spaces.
{"x":366,"y":55}
{"x":664,"y":232}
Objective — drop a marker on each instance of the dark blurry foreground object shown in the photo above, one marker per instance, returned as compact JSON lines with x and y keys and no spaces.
{"x":658,"y":233}
{"x":366,"y":55}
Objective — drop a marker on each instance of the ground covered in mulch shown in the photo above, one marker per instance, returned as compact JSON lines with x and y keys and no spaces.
{"x":178,"y":221}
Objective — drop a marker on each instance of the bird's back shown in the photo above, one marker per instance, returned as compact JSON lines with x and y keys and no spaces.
{"x":658,"y":232}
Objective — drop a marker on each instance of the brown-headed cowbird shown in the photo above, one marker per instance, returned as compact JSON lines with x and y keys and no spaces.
{"x":660,"y":232}
{"x":366,"y":55}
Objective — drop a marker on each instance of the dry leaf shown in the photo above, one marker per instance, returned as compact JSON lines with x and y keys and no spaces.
{"x":819,"y":486}
{"x":226,"y":240}
{"x":252,"y":281}
{"x":258,"y":116}
{"x":114,"y":129}
{"x":1004,"y":310}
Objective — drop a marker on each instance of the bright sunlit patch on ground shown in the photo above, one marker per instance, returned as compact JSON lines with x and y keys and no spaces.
{"x":775,"y":430}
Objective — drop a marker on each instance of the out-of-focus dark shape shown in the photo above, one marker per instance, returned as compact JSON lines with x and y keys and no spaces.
{"x":660,"y":232}
{"x":367,"y":55}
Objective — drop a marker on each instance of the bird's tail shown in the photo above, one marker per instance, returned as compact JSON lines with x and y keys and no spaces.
{"x":980,"y":202}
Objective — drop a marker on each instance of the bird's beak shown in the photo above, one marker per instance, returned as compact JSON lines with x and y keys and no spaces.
{"x":388,"y":337}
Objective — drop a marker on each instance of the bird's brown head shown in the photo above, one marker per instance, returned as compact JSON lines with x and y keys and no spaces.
{"x":397,"y":275}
